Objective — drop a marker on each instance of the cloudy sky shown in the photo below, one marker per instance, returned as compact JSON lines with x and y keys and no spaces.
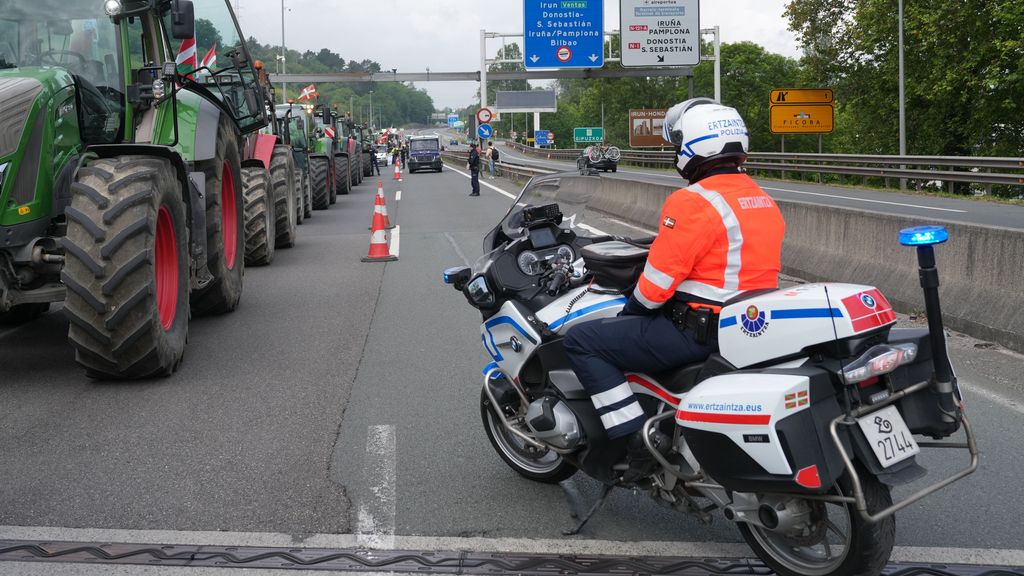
{"x":444,"y":35}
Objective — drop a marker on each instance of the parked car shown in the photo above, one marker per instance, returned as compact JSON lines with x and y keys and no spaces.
{"x":599,"y":157}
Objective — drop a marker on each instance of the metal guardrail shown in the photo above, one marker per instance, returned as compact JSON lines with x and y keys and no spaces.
{"x":506,"y":169}
{"x":973,"y":169}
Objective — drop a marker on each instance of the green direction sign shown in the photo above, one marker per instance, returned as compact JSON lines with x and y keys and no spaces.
{"x":588,"y":134}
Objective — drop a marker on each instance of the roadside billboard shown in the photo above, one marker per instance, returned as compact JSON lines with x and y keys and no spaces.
{"x":645,"y":127}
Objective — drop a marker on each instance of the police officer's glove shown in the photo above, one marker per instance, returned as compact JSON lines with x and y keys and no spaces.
{"x":633,"y":307}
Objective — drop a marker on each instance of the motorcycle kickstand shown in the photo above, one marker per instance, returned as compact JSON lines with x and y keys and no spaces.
{"x":605,"y":491}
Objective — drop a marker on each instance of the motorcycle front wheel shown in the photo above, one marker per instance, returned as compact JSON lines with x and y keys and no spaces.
{"x":839,"y":543}
{"x":538,"y":465}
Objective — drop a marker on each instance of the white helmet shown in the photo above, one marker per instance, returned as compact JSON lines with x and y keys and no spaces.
{"x":703,"y":131}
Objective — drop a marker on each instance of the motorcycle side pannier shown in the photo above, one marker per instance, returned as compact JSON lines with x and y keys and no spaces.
{"x":614,"y":264}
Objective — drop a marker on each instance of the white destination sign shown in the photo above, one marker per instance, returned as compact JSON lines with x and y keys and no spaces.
{"x":660,"y":32}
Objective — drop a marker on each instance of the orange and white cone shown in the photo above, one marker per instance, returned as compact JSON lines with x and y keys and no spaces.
{"x":398,"y":173}
{"x":379,"y":251}
{"x":380,"y":205}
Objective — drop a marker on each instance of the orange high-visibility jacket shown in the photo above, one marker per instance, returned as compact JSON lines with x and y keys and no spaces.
{"x":716,"y":238}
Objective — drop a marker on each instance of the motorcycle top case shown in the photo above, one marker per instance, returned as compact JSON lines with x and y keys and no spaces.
{"x":785,"y":322}
{"x":761,"y":431}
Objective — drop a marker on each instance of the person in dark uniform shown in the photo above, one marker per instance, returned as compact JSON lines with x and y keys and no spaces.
{"x":373,"y":161}
{"x":474,"y":169}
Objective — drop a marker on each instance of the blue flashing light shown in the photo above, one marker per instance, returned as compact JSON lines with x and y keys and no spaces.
{"x":446,"y":279}
{"x":923,"y":235}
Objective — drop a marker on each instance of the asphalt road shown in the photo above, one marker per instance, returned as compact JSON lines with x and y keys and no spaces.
{"x":342,"y":398}
{"x":928,"y":208}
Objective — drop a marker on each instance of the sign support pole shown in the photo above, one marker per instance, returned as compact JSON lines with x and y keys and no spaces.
{"x":819,"y":152}
{"x":783,"y":151}
{"x":483,"y":68}
{"x":718,"y":67}
{"x":536,"y":126}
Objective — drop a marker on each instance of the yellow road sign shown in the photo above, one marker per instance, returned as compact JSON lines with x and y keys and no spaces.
{"x":802,"y":119}
{"x":801,"y":96}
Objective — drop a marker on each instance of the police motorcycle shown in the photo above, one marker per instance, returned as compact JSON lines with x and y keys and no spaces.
{"x":813,"y":409}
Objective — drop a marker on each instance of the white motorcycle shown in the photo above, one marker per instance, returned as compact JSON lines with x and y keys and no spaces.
{"x":796,"y":429}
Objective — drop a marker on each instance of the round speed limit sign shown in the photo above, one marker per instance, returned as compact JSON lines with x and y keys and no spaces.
{"x":484,"y":115}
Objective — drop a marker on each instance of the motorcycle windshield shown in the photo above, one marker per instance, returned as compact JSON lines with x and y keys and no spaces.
{"x":585,"y":205}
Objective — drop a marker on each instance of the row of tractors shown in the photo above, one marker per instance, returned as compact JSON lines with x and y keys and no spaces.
{"x":137,"y":182}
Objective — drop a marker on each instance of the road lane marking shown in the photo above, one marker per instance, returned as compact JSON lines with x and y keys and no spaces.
{"x":377,"y":516}
{"x":395,"y":242}
{"x":628,"y":225}
{"x":864,"y":200}
{"x":491,"y":186}
{"x":993,"y":396}
{"x":458,"y":250}
{"x":398,"y":196}
{"x":928,"y":554}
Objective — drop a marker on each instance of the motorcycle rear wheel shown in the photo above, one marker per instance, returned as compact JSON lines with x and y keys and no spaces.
{"x":540,"y":466}
{"x":863,"y":548}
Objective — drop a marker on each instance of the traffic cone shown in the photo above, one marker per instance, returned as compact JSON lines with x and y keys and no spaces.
{"x":549,"y":155}
{"x":380,"y":204}
{"x":398,"y":173}
{"x":379,"y":251}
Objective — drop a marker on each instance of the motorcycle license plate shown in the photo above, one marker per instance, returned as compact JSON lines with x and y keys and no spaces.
{"x":888,"y":436}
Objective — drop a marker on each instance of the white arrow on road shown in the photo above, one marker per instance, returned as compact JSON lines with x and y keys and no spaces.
{"x":593,"y":57}
{"x":534,"y":58}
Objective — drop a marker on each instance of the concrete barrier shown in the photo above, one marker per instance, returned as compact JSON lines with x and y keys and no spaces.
{"x":981,"y":269}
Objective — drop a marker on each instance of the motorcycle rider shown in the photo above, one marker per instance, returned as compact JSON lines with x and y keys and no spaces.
{"x":718,"y":237}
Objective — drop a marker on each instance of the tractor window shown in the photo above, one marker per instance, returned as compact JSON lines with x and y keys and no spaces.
{"x":297,"y":131}
{"x":217,"y":59}
{"x":69,"y":34}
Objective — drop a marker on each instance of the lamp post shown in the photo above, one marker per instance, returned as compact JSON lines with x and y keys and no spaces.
{"x":371,"y":110}
{"x":284,"y":69}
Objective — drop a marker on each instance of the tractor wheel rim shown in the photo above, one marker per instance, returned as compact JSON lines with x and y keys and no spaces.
{"x":229,"y":216}
{"x":166,"y":268}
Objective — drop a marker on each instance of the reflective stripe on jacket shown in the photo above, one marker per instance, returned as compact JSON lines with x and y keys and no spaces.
{"x":716,"y":238}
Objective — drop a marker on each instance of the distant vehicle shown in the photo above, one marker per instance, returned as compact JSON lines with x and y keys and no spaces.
{"x":453,"y":142}
{"x":425,"y":152}
{"x":599,"y":158}
{"x":383,"y":158}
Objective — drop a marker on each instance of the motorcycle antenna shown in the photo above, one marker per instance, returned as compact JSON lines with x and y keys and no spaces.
{"x":842,"y":368}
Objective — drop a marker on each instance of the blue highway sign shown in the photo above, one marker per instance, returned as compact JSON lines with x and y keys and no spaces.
{"x":452,"y":119}
{"x":563,"y":33}
{"x":543,"y":137}
{"x":484,"y":131}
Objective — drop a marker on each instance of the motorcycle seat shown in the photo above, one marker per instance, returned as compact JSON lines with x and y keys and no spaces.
{"x":684,"y":378}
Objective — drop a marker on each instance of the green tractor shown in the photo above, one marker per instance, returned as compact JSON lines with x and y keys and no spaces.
{"x":350,"y":145}
{"x":328,"y":167}
{"x":366,"y":144}
{"x":121,"y":172}
{"x":271,"y":191}
{"x":295,"y":122}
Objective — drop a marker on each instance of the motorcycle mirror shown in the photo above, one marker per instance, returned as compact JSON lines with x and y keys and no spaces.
{"x":458,"y":276}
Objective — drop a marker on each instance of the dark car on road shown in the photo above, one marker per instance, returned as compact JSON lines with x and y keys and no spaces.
{"x":603,"y":158}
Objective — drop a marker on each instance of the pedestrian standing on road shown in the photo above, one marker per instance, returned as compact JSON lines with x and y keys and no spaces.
{"x":490,"y":159}
{"x":395,"y":153}
{"x":474,"y":169}
{"x":495,"y":156}
{"x":405,"y":153}
{"x":373,"y":161}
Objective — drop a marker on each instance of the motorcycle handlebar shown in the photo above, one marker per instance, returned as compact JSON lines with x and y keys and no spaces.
{"x":558,"y":280}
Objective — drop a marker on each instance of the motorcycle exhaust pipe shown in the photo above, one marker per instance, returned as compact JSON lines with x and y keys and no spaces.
{"x":924,"y":238}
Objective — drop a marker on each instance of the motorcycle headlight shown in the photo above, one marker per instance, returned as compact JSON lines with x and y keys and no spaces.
{"x":479,"y":293}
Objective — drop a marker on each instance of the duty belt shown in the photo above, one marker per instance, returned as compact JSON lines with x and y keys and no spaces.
{"x":702,"y":322}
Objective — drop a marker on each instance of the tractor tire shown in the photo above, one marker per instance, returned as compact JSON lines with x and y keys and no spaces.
{"x":225,"y":231}
{"x":259,"y":216}
{"x":320,"y":179}
{"x":127,"y":268}
{"x":300,"y":199}
{"x":307,"y":196}
{"x":286,"y":196}
{"x":23,"y":313}
{"x":367,"y":165}
{"x":342,"y":178}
